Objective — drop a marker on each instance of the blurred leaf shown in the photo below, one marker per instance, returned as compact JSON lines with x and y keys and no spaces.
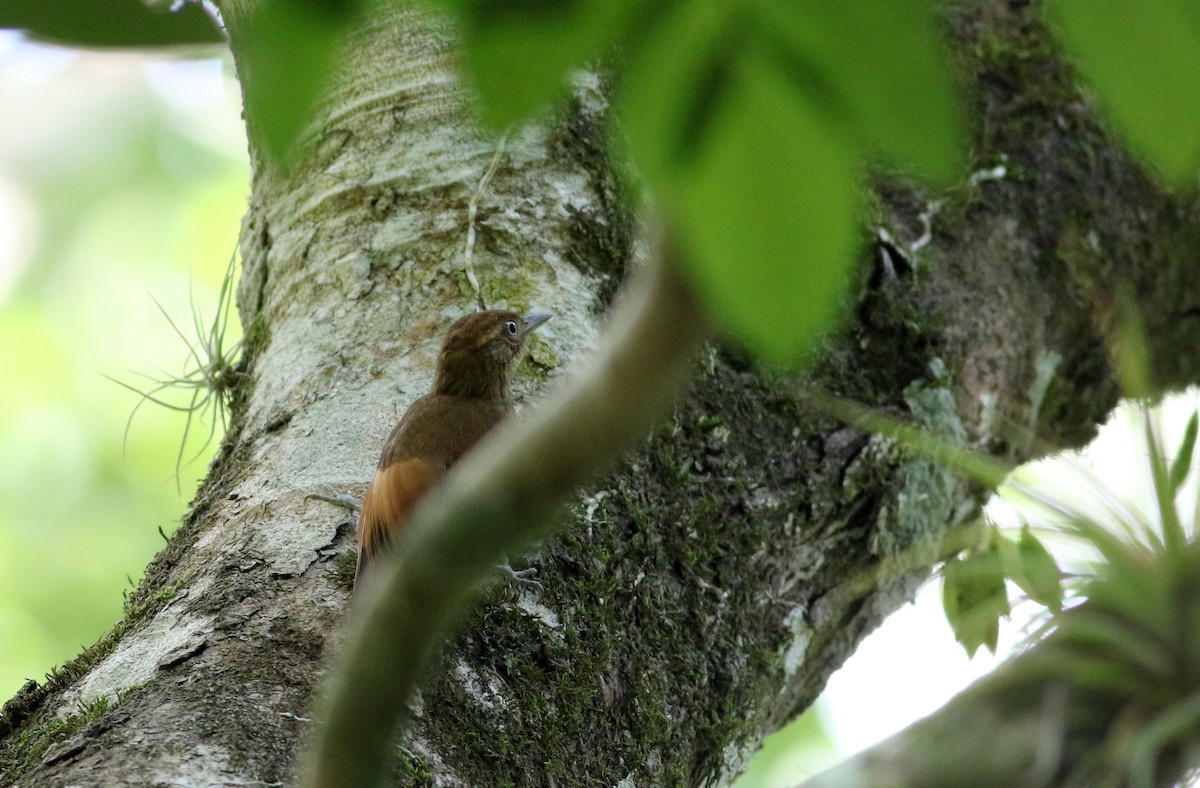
{"x":1127,"y":642}
{"x":1144,"y":59}
{"x":671,"y":87}
{"x":1038,"y":574}
{"x":880,"y":67}
{"x":1174,"y":536}
{"x":977,"y":466}
{"x":1130,"y":352}
{"x":1182,"y":463}
{"x":1028,"y":564}
{"x":521,"y":50}
{"x":766,"y":214}
{"x":283,"y":68}
{"x":974,"y":598}
{"x":110,"y":23}
{"x":1010,"y":554}
{"x":757,"y":177}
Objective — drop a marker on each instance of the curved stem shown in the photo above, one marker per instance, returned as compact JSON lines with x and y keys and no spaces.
{"x":501,"y":496}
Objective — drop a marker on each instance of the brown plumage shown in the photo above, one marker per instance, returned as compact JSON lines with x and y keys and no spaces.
{"x":470,"y":395}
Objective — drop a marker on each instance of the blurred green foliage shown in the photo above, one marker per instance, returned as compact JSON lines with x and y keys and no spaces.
{"x":749,"y":122}
{"x":791,"y":755}
{"x":111,"y":191}
{"x":111,"y":23}
{"x":1144,"y":60}
{"x":293,"y":52}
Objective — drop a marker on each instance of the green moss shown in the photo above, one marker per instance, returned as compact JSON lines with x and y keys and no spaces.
{"x":32,"y":745}
{"x":26,"y":703}
{"x":256,"y":338}
{"x":600,"y":237}
{"x":503,"y":282}
{"x":874,"y":210}
{"x":573,"y":687}
{"x":411,"y":769}
{"x":41,"y":738}
{"x":344,"y":567}
{"x":541,"y":357}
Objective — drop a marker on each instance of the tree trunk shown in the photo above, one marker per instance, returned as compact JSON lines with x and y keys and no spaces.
{"x":699,"y":597}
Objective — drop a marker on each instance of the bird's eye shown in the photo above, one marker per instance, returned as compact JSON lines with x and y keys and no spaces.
{"x":511,"y":327}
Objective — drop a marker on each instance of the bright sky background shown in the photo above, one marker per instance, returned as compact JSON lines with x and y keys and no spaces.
{"x":89,"y":306}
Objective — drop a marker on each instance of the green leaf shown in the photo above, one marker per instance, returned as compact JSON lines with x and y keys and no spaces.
{"x":671,"y":86}
{"x":1039,"y":575}
{"x":1010,"y":554}
{"x":1028,"y":564}
{"x":284,"y":67}
{"x":767,"y":216}
{"x":974,"y":598}
{"x":1182,"y":464}
{"x":878,"y":67}
{"x":1144,"y":59}
{"x":760,"y":191}
{"x":520,"y":51}
{"x":110,"y":23}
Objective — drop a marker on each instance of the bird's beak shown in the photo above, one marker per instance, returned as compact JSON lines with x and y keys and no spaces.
{"x":535,"y":319}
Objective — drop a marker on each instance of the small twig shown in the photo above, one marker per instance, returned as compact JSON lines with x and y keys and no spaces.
{"x":926,"y":217}
{"x":295,"y":717}
{"x":472,"y":211}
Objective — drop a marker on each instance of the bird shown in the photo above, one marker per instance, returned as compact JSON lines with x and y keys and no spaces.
{"x":470,"y":395}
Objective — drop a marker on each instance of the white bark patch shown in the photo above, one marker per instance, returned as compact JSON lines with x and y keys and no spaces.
{"x":489,"y":697}
{"x":589,"y":92}
{"x":290,"y":544}
{"x":446,"y":778}
{"x":763,"y":498}
{"x":573,"y":331}
{"x":539,"y":611}
{"x":167,"y":639}
{"x":283,"y":380}
{"x":570,"y":193}
{"x":352,"y":272}
{"x":404,"y":226}
{"x":203,"y":764}
{"x":794,"y":652}
{"x":733,"y":761}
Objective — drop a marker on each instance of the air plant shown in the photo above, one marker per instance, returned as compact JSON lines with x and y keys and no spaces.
{"x":210,"y":377}
{"x":1106,"y":690}
{"x":1126,"y":648}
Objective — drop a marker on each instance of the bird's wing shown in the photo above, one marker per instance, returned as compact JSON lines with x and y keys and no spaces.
{"x":392,"y":494}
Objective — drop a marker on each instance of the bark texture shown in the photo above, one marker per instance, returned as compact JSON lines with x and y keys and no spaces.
{"x":699,"y":597}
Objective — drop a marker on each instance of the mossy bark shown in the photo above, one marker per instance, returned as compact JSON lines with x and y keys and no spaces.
{"x":699,"y":597}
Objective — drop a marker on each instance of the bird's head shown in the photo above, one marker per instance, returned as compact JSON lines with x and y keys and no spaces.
{"x":480,"y":350}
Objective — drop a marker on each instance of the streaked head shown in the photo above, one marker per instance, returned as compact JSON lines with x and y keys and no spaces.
{"x":480,"y":350}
